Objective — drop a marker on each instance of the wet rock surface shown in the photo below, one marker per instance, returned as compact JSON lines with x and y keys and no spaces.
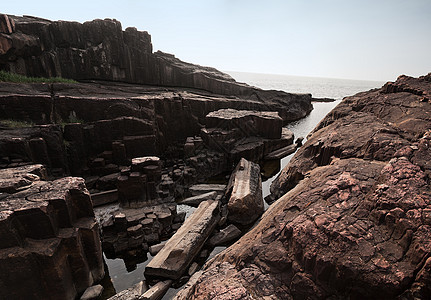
{"x":352,"y":220}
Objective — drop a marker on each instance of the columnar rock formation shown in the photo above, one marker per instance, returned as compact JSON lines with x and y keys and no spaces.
{"x":353,"y":220}
{"x":245,"y":133}
{"x":50,"y":246}
{"x":100,"y":49}
{"x":137,"y":185}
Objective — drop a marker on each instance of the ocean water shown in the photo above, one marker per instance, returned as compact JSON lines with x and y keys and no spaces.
{"x":122,"y":278}
{"x":318,"y":87}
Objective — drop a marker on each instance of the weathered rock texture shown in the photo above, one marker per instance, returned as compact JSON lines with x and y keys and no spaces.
{"x":179,"y":251}
{"x":50,"y":246}
{"x":124,"y":229}
{"x":245,"y":133}
{"x":354,"y":217}
{"x":137,"y":186}
{"x":100,"y":49}
{"x":244,"y":193}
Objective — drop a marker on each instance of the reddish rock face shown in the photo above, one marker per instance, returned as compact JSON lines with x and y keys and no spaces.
{"x":353,"y":220}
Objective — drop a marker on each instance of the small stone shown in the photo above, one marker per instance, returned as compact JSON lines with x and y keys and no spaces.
{"x":93,"y":292}
{"x":179,"y":218}
{"x":225,"y":235}
{"x":156,"y":248}
{"x":193,"y":268}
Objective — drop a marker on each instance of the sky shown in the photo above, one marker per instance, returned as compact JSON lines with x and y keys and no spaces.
{"x":351,"y":39}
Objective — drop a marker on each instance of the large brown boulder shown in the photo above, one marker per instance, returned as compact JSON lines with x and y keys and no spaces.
{"x":354,"y":217}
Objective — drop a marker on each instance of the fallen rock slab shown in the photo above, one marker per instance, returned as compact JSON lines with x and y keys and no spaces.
{"x":225,"y":235}
{"x":266,"y":124}
{"x":280,"y":153}
{"x":105,"y":197}
{"x":199,"y":189}
{"x":157,"y":291}
{"x":196,"y":200}
{"x":154,"y":249}
{"x":93,"y":292}
{"x":244,"y":192}
{"x":173,"y":260}
{"x":133,"y":293}
{"x":19,"y":178}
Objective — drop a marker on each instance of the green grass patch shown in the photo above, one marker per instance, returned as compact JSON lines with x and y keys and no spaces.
{"x":15,"y":123}
{"x":12,"y":77}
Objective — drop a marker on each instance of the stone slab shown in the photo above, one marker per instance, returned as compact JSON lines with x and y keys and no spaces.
{"x":173,"y":260}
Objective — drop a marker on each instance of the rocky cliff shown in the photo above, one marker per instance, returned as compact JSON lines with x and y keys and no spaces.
{"x":101,"y":50}
{"x":354,"y":217}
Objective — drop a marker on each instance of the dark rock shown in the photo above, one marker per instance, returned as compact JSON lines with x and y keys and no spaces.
{"x":199,"y":189}
{"x":100,"y":49}
{"x":196,"y":200}
{"x":280,"y":153}
{"x":154,"y":249}
{"x":299,"y":141}
{"x":103,"y":198}
{"x":49,"y":224}
{"x":322,"y":100}
{"x":108,"y":182}
{"x":225,"y":235}
{"x":193,"y":268}
{"x":7,"y":25}
{"x":19,"y":178}
{"x":179,"y":218}
{"x":251,"y":123}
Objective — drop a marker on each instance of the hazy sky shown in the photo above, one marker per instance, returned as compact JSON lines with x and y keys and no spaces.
{"x":357,"y":39}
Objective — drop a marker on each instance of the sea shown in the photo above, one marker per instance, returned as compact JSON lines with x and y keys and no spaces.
{"x":123,"y":277}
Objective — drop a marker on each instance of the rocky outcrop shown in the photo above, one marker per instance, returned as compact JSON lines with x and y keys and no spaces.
{"x":245,"y":133}
{"x":125,"y":228}
{"x":127,"y":120}
{"x":100,"y":49}
{"x":353,"y":217}
{"x":374,"y":125}
{"x":50,"y":246}
{"x":137,"y":186}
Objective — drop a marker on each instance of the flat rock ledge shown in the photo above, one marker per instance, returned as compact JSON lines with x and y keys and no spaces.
{"x":354,"y":216}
